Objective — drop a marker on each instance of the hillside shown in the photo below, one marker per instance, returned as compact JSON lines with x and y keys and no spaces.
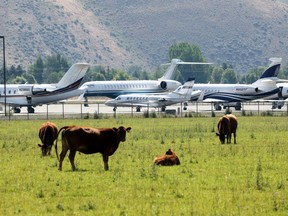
{"x":121,"y":33}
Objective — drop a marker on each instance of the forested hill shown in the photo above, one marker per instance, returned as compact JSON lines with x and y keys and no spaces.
{"x":244,"y":33}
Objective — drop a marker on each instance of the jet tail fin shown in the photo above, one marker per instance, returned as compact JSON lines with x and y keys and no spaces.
{"x":74,"y":75}
{"x":273,"y":69}
{"x":174,"y":62}
{"x":186,"y":89}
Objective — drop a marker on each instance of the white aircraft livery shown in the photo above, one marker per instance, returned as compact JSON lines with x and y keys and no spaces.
{"x":231,"y":95}
{"x":31,"y":95}
{"x":113,"y":89}
{"x":181,"y":94}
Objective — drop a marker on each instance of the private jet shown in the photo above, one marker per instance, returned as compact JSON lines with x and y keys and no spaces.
{"x":231,"y":95}
{"x":31,"y":95}
{"x":113,"y":89}
{"x":181,"y":95}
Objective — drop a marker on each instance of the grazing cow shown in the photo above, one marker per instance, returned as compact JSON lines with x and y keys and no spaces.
{"x":226,"y":126}
{"x":89,"y":140}
{"x":47,"y":134}
{"x":169,"y":159}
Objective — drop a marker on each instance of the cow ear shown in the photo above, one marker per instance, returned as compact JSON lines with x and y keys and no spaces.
{"x":39,"y":145}
{"x":217,"y":134}
{"x":128,"y":129}
{"x":115,"y":129}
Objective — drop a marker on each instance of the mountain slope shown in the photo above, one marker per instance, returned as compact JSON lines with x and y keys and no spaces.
{"x":245,"y":33}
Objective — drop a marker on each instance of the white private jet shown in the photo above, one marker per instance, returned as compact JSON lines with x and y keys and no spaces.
{"x":278,"y":100}
{"x":181,"y":94}
{"x":113,"y":89}
{"x":231,"y":95}
{"x":31,"y":95}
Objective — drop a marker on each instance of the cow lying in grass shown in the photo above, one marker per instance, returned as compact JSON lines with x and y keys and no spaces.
{"x":47,"y":134}
{"x":89,"y":140}
{"x":226,"y":126}
{"x":168,"y":159}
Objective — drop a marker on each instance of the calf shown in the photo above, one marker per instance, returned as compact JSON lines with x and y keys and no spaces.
{"x":47,"y":134}
{"x":226,"y":126}
{"x":169,"y":159}
{"x":89,"y":140}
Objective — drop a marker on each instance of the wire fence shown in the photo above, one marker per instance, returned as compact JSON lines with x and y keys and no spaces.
{"x":97,"y":109}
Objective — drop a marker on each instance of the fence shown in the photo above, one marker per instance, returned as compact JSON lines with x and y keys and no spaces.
{"x":97,"y":109}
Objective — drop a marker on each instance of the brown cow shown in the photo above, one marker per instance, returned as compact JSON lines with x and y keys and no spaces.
{"x":47,"y":134}
{"x":89,"y":140}
{"x":169,"y":159}
{"x":226,"y":126}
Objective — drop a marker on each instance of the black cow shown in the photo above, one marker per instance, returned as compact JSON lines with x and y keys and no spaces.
{"x":47,"y":134}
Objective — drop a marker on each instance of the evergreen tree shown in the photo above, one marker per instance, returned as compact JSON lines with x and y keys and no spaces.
{"x":229,"y":76}
{"x":37,"y":70}
{"x":216,"y":75}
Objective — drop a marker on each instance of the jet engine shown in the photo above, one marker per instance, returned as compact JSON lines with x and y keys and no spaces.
{"x":31,"y":89}
{"x":163,"y":85}
{"x":169,"y":85}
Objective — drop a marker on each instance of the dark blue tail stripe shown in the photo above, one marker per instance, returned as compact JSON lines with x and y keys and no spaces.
{"x":271,"y":71}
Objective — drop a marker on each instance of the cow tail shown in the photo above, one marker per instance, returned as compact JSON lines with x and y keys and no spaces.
{"x":56,"y":150}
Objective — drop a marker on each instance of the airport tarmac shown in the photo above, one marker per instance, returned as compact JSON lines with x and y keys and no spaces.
{"x":76,"y":109}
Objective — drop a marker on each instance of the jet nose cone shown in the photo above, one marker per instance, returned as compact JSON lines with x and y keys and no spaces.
{"x":109,"y":103}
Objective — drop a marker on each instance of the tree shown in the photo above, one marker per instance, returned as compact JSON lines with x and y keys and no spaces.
{"x":29,"y":78}
{"x":121,"y":75}
{"x":190,"y":53}
{"x":37,"y":70}
{"x":97,"y":77}
{"x":252,"y":75}
{"x":19,"y":80}
{"x":283,"y":73}
{"x":54,"y":63}
{"x":135,"y":71}
{"x":229,"y":76}
{"x":216,"y":75}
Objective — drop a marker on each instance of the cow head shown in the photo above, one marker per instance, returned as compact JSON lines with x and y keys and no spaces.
{"x":45,"y":149}
{"x":121,"y":132}
{"x":169,"y":152}
{"x":221,"y":137}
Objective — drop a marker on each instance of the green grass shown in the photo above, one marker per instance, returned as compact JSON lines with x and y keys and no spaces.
{"x":249,"y":178}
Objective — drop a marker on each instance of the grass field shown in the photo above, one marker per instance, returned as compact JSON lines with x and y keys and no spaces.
{"x":249,"y":178}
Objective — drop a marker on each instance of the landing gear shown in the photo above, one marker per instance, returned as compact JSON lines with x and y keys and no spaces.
{"x":277,"y":104}
{"x":163,"y":108}
{"x":86,"y":102}
{"x":138,"y":109}
{"x":114,"y":109}
{"x":30,"y":109}
{"x":238,"y":106}
{"x":16,"y":110}
{"x":217,"y":107}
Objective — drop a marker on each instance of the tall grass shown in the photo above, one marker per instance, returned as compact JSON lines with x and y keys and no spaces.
{"x":249,"y":178}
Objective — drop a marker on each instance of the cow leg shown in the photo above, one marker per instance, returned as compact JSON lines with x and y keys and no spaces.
{"x":105,"y":160}
{"x":229,"y":138}
{"x":71,"y":158}
{"x":234,"y":137}
{"x":62,"y":156}
{"x":49,"y":151}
